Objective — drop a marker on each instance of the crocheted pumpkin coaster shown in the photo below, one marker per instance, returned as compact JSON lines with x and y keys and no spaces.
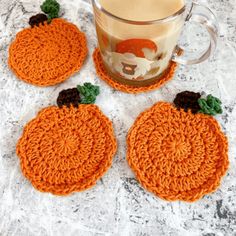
{"x":177,"y":155}
{"x":67,"y":148}
{"x":101,"y":71}
{"x":49,"y":52}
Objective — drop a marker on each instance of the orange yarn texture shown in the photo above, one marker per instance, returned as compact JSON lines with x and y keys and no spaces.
{"x":175,"y":154}
{"x":64,"y":150}
{"x":101,"y":71}
{"x":48,"y":54}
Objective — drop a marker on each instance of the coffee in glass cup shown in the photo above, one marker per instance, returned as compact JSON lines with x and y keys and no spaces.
{"x":138,"y":38}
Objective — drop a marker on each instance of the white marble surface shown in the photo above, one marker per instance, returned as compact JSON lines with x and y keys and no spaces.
{"x":117,"y":205}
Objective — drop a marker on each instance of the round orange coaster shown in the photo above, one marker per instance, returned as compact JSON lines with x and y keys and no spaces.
{"x":64,"y":150}
{"x":49,"y":53}
{"x":175,"y":154}
{"x":101,"y":71}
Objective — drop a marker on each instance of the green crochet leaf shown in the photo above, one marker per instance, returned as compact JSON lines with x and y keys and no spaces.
{"x":210,"y":106}
{"x":88,"y":93}
{"x":51,"y":8}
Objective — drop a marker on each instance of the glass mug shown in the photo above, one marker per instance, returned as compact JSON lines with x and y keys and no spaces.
{"x":139,"y":52}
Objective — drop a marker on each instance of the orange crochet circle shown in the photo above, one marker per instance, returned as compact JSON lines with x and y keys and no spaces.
{"x":175,"y":154}
{"x":101,"y":71}
{"x":48,"y":54}
{"x":64,"y":150}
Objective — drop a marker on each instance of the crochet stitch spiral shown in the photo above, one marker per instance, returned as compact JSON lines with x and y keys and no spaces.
{"x":101,"y":71}
{"x":175,"y":154}
{"x":48,"y":54}
{"x":64,"y":150}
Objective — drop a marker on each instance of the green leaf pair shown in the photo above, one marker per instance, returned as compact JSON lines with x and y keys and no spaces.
{"x":88,"y":93}
{"x":51,"y":8}
{"x":210,"y":106}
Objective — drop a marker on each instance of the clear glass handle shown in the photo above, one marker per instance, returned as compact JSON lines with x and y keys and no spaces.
{"x":204,"y":16}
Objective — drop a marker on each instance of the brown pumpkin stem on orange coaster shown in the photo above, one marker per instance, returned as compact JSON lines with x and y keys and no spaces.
{"x":187,"y":100}
{"x":38,"y":19}
{"x":102,"y":73}
{"x":65,"y":150}
{"x":177,"y":155}
{"x":69,"y":97}
{"x":48,"y":54}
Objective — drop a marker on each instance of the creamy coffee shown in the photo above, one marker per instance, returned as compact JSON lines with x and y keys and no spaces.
{"x":142,"y":10}
{"x":138,"y":54}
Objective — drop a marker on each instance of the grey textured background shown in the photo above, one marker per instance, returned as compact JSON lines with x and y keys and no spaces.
{"x":117,"y":205}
